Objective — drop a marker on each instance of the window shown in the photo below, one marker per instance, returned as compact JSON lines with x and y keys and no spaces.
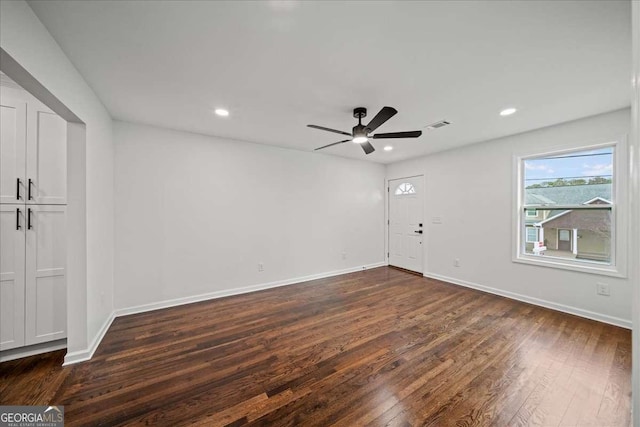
{"x":405,"y":188}
{"x":566,"y":200}
{"x":532,"y":234}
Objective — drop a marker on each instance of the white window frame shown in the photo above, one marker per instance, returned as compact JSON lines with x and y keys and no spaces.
{"x":534,"y":211}
{"x":526,"y":232}
{"x":619,"y":213}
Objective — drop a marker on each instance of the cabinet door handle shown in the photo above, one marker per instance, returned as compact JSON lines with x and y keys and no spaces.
{"x":29,"y":189}
{"x":18,"y":189}
{"x":29,"y":227}
{"x":18,"y":227}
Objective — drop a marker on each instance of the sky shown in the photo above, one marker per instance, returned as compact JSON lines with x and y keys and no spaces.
{"x":578,"y":164}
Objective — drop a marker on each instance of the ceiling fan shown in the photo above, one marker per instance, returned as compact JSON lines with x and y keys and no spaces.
{"x":360,"y":133}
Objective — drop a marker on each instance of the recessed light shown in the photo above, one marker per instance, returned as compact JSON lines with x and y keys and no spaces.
{"x":508,"y":111}
{"x":222,"y":112}
{"x":388,"y":148}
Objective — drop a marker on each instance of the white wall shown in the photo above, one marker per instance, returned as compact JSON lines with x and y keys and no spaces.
{"x":196,"y":214}
{"x":27,"y":41}
{"x":471,"y":190}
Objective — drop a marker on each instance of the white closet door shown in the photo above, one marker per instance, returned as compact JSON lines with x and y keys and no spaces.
{"x":46,"y":290}
{"x":12,"y":275}
{"x":13,"y":125}
{"x":46,"y":156}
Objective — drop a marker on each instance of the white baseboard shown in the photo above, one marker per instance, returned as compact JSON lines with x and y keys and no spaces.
{"x":32,"y":350}
{"x":616,"y":321}
{"x":86,"y":354}
{"x":237,"y":291}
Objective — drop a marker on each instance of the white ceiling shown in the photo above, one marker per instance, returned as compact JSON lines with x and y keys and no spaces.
{"x":278,"y":66}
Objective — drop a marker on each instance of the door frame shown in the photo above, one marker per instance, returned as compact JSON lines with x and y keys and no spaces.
{"x":425,"y":232}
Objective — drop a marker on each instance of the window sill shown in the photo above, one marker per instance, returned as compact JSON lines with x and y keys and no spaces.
{"x":541,"y":261}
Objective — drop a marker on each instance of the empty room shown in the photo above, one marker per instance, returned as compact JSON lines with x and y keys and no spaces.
{"x":315,"y":213}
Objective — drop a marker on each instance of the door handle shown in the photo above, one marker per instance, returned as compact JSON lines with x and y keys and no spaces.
{"x":418,"y":231}
{"x":18,"y":227}
{"x":29,"y":189}
{"x":29,"y":211}
{"x":18,"y":189}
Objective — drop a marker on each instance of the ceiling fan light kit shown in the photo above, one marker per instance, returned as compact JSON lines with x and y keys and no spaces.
{"x":360,"y":134}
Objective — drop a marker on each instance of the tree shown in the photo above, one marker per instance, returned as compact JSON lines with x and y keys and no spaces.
{"x":561,"y":182}
{"x":599,"y":180}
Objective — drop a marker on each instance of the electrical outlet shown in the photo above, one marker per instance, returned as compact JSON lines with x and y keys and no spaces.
{"x":436,"y":220}
{"x":603,"y":289}
{"x":260,"y":266}
{"x":456,"y":262}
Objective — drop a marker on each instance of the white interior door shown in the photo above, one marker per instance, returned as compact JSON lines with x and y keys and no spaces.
{"x":46,"y":156}
{"x":406,"y":223}
{"x":12,"y":276}
{"x":13,"y":120}
{"x":46,"y":290}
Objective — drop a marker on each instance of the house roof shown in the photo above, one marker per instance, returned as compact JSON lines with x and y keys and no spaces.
{"x":567,"y":195}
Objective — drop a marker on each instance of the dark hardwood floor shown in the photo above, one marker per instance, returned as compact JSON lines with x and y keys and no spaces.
{"x":379,"y":347}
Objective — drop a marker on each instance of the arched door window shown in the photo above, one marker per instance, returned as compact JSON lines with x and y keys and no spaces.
{"x":405,"y":188}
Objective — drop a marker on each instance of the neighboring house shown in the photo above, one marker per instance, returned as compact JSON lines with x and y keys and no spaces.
{"x":584,"y":234}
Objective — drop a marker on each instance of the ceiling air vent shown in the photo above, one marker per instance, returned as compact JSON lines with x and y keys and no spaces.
{"x":437,"y":125}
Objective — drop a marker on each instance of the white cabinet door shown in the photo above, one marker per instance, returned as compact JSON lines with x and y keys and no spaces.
{"x":13,"y":125}
{"x":46,"y":290}
{"x":12,"y":275}
{"x":46,"y":156}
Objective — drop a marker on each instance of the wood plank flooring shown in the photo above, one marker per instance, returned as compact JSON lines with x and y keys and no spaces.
{"x":379,"y":347}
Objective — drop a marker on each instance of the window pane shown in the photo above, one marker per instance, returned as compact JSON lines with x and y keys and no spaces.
{"x":405,"y":188}
{"x":581,"y":177}
{"x":532,"y":234}
{"x":579,"y":234}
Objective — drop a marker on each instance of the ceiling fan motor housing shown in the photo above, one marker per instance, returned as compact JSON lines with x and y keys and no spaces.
{"x":359,"y":130}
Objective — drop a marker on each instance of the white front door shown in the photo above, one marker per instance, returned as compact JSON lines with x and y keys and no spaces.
{"x":405,"y":223}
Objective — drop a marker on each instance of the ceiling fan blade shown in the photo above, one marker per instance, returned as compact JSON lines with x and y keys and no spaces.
{"x":367,"y":147}
{"x":383,"y":115}
{"x":329,"y":129}
{"x":335,"y":143}
{"x":412,"y":134}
